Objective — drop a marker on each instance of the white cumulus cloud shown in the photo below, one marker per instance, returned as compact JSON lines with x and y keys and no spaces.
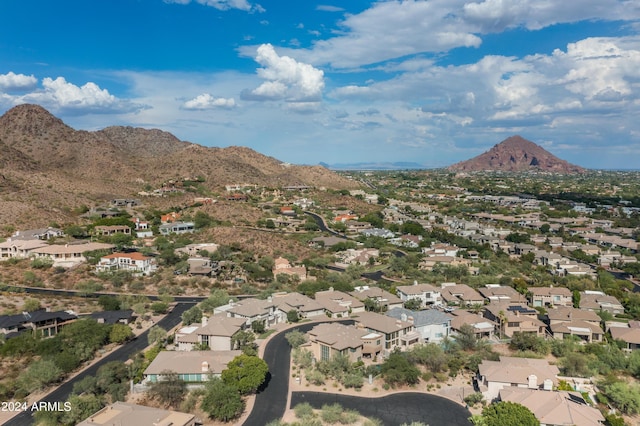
{"x":395,"y":29}
{"x":207,"y":101}
{"x":12,"y":81}
{"x":285,"y":78}
{"x":59,"y":94}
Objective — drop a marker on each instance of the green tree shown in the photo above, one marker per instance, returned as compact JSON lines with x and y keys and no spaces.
{"x":413,"y":304}
{"x":169,"y":391}
{"x":529,"y":342}
{"x":397,"y":370}
{"x":246,"y":373}
{"x":159,"y":308}
{"x":38,"y":375}
{"x":466,"y":338}
{"x":221,"y":400}
{"x":82,"y":406}
{"x":258,"y":327}
{"x":120,"y":333}
{"x":156,"y":335}
{"x":31,"y":305}
{"x":295,"y":338}
{"x":506,"y":413}
{"x":292,"y":316}
{"x":202,"y":220}
{"x":109,"y":303}
{"x":243,"y":340}
{"x":192,"y":315}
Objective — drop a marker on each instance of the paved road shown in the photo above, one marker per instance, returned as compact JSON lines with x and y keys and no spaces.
{"x":394,"y":409}
{"x":271,"y":402}
{"x":121,"y":354}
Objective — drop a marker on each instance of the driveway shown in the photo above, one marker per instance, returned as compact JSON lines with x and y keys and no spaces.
{"x":271,"y":402}
{"x":396,"y":409}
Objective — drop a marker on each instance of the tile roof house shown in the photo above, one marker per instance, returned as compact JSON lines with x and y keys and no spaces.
{"x":515,"y":318}
{"x":134,"y":262}
{"x":192,"y":367}
{"x":252,"y":310}
{"x":555,"y":408}
{"x":170,"y":217}
{"x":338,"y":304}
{"x":566,"y":321}
{"x":596,"y":300}
{"x":482,"y":326}
{"x":305,"y":306}
{"x":108,"y":230}
{"x":68,"y":255}
{"x":426,"y":293}
{"x":216,"y":332}
{"x":500,"y":293}
{"x":125,"y":414}
{"x":516,"y":372}
{"x":629,"y":333}
{"x":282,"y":266}
{"x":38,"y":234}
{"x":460,"y":295}
{"x":397,"y":333}
{"x":328,"y":339}
{"x":432,"y":324}
{"x":19,"y":249}
{"x":550,"y":296}
{"x":385,"y":300}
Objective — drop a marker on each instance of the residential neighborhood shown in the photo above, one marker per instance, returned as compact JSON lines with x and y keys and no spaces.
{"x":485,"y":307}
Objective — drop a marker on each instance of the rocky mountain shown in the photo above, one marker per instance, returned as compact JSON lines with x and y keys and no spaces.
{"x":46,"y":165}
{"x":516,"y":154}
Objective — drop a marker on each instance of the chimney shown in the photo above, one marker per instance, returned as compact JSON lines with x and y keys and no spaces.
{"x":547,"y":384}
{"x":205,"y":367}
{"x":205,"y":320}
{"x":533,"y":381}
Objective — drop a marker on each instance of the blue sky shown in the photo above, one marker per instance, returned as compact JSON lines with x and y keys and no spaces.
{"x":431,"y":82}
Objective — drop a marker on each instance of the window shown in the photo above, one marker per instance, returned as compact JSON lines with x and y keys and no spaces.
{"x":325,"y":353}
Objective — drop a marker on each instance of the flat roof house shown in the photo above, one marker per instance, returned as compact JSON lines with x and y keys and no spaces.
{"x":177,"y":228}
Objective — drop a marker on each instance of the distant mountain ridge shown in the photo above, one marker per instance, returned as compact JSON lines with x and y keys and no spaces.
{"x":516,"y":154}
{"x":399,"y":165}
{"x":47,"y":166}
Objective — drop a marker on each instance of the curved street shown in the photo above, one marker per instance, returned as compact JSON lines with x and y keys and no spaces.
{"x":396,"y":409}
{"x":122,"y":354}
